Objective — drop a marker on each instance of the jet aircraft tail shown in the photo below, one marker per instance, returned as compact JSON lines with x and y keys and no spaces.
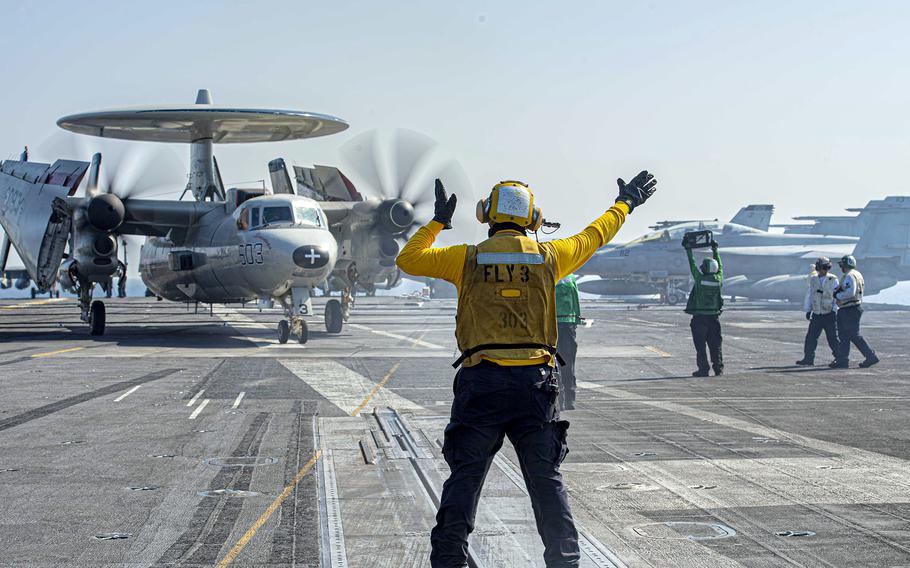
{"x":885,"y":243}
{"x":37,"y":229}
{"x":755,"y":216}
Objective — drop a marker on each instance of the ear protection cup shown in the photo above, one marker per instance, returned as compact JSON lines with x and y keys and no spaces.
{"x":483,"y":210}
{"x":536,"y":219}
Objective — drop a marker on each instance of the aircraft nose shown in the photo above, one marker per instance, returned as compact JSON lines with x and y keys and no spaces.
{"x":311,"y":256}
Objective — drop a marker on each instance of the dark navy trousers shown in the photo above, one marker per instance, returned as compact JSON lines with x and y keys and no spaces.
{"x":819,"y":322}
{"x":848,"y":332}
{"x":492,"y":402}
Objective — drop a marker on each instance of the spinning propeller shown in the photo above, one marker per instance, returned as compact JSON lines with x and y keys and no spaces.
{"x":400,"y":167}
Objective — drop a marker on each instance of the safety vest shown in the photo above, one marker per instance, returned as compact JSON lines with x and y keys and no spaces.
{"x":705,"y":297}
{"x":822,"y":293}
{"x":568,"y":309}
{"x":860,"y":285}
{"x":507,"y":304}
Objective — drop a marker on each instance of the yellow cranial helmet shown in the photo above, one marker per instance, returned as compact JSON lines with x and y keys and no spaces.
{"x":510,"y":202}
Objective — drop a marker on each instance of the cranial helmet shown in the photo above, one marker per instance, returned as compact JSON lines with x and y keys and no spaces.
{"x":709,"y":266}
{"x":823,"y":263}
{"x":848,"y":261}
{"x":510,"y":202}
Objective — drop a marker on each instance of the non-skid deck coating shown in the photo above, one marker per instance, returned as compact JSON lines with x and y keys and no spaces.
{"x":189,"y":439}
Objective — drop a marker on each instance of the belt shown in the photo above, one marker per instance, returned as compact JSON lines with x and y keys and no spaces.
{"x":478,"y":348}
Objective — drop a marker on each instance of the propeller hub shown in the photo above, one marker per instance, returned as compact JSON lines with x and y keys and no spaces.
{"x":395,"y":215}
{"x":105,"y":212}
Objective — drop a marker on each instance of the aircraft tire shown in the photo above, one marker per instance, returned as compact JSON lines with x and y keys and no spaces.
{"x":303,"y":334}
{"x":97,"y":318}
{"x":334,"y":316}
{"x":33,"y":293}
{"x":284,"y":331}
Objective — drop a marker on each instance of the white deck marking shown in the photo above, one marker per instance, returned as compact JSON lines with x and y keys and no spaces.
{"x":238,"y":399}
{"x":417,"y":342}
{"x":856,"y":458}
{"x":127,"y":393}
{"x":195,"y":398}
{"x":199,"y":409}
{"x":343,"y":387}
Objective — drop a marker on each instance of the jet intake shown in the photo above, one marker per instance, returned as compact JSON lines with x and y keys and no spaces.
{"x":395,"y":216}
{"x":104,"y":245}
{"x":105,"y":212}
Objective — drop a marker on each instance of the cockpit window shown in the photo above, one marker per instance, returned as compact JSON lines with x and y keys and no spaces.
{"x":655,"y":236}
{"x":277,"y":214}
{"x":308,"y":216}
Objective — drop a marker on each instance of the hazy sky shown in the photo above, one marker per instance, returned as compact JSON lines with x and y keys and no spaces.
{"x":799,"y":104}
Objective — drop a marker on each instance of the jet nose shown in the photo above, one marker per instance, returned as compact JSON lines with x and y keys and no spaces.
{"x":311,"y":256}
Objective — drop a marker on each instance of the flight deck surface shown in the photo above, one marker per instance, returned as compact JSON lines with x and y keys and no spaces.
{"x":184,"y":438}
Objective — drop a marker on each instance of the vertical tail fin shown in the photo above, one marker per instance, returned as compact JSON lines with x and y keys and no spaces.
{"x":755,"y":216}
{"x":281,"y":181}
{"x":887,"y":234}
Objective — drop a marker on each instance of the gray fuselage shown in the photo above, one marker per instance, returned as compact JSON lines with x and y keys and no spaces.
{"x":238,"y":256}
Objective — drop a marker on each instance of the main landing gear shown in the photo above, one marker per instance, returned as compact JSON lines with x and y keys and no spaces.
{"x":93,"y":311}
{"x":297,"y":303}
{"x":97,"y":317}
{"x":334,"y":316}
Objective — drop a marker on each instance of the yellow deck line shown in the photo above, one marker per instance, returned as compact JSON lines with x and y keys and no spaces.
{"x":375,"y":390}
{"x":251,"y":532}
{"x":57,"y":352}
{"x":30,"y":304}
{"x":289,"y":488}
{"x":653,"y":349}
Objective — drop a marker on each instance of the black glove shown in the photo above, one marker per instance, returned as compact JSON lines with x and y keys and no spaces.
{"x":636,"y":191}
{"x":714,"y":246}
{"x":445,"y":206}
{"x":809,"y":316}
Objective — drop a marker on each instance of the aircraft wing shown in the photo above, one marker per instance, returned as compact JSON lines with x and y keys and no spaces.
{"x":792,"y":251}
{"x":154,"y":217}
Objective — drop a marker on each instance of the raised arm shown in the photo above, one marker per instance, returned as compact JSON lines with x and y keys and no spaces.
{"x":720,"y":264}
{"x":693,"y":266}
{"x":572,"y":252}
{"x":418,"y":258}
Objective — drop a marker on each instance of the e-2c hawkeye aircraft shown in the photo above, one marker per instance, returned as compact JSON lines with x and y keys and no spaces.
{"x":224,"y":246}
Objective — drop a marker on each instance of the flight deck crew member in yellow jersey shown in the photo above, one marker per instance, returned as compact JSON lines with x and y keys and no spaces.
{"x":506,"y":331}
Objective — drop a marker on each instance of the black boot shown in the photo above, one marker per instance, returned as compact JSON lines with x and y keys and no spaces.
{"x":700,"y":373}
{"x":869,"y":361}
{"x":806,"y":362}
{"x":840,"y":365}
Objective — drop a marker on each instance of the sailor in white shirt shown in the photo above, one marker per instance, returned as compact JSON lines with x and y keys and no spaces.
{"x":820,"y":308}
{"x":849,"y":299}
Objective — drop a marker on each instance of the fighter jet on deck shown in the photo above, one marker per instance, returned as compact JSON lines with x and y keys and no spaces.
{"x":757,"y":264}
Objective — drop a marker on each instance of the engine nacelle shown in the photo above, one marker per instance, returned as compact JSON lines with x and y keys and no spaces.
{"x":95,"y":255}
{"x":394,"y":216}
{"x":105,"y":212}
{"x":23,"y":283}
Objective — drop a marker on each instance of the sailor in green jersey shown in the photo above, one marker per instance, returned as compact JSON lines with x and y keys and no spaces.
{"x":705,"y":305}
{"x":568,"y":316}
